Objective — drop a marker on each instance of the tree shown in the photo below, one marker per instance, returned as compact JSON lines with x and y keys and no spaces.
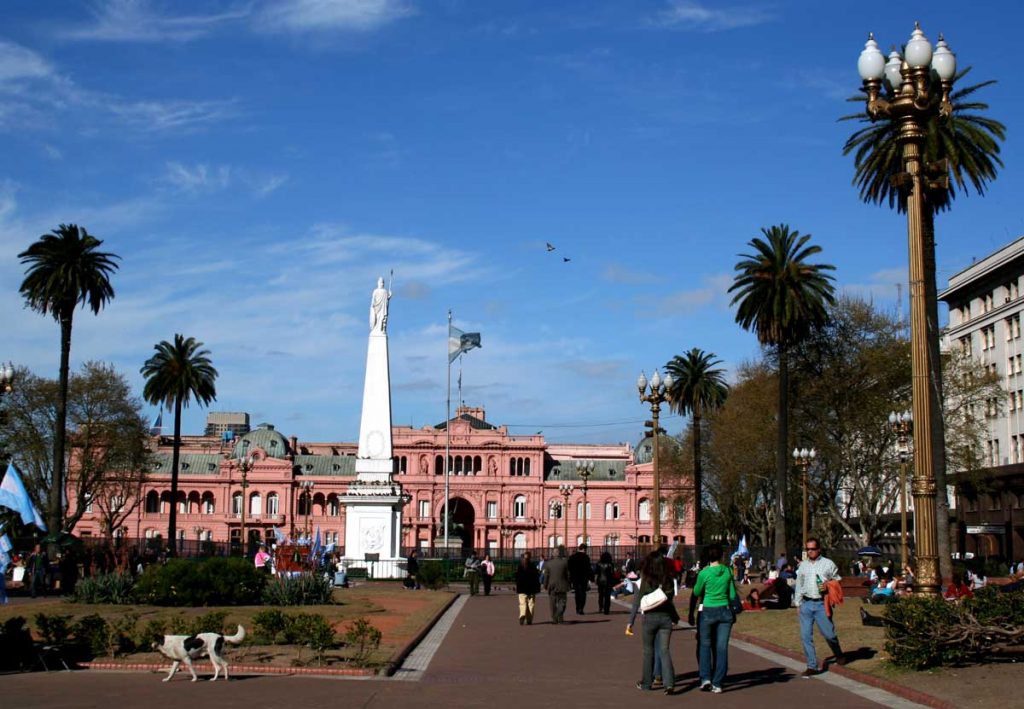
{"x":782,"y":298}
{"x":65,"y":269}
{"x":969,"y":142}
{"x":177,"y":373}
{"x":107,"y":441}
{"x":697,"y":387}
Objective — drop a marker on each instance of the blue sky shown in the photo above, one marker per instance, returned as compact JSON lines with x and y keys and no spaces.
{"x":258,"y":165}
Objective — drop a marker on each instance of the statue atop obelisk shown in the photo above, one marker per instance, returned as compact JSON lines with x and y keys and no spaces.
{"x":374,"y":459}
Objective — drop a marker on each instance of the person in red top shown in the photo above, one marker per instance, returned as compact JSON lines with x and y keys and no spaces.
{"x":958,"y":589}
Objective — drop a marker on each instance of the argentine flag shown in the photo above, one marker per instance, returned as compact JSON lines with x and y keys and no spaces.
{"x":14,"y":496}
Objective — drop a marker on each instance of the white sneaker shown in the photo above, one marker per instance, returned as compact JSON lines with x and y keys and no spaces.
{"x":716,"y":690}
{"x":705,"y":685}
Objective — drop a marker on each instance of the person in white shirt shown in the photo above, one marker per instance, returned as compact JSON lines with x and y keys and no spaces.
{"x":809,"y":596}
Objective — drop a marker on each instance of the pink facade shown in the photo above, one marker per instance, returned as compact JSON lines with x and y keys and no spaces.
{"x":504,"y":490}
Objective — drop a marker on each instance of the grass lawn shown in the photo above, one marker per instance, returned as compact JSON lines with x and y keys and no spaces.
{"x":399,"y":615}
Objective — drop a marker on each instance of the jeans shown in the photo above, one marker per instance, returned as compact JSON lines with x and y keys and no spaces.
{"x":580,"y":590}
{"x":715,"y":628}
{"x":811,"y":613}
{"x":527,"y":603}
{"x":473,"y":577}
{"x":557,"y":600}
{"x":657,"y":632}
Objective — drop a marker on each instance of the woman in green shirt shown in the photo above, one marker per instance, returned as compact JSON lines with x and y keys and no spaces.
{"x":715,"y":588}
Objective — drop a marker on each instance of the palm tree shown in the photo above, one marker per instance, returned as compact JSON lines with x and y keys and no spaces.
{"x":782,"y":298}
{"x":969,"y":142}
{"x":65,"y":269}
{"x":174,"y":375}
{"x":696,"y":387}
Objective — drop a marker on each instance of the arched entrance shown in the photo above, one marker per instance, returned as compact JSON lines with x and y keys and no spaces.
{"x":462,"y":518}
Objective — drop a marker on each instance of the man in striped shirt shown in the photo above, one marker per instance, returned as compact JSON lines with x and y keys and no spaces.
{"x":809,"y":596}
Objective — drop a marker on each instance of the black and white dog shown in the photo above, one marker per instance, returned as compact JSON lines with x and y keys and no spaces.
{"x":185,"y":648}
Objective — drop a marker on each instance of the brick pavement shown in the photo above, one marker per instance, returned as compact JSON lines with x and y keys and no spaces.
{"x":486,"y":659}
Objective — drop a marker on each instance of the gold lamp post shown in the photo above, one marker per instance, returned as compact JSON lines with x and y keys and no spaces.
{"x":505,"y":534}
{"x":584,"y":471}
{"x":902,"y":425}
{"x":803,"y":457}
{"x":244,"y":464}
{"x":655,"y":396}
{"x":910,"y":107}
{"x":6,"y":384}
{"x":565,"y":489}
{"x":307,"y":492}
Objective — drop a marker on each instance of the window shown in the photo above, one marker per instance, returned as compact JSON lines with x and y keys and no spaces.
{"x":255,"y":504}
{"x":993,"y":501}
{"x":1012,"y":324}
{"x":519,"y":507}
{"x":116,"y":503}
{"x":152,"y":503}
{"x":991,"y":407}
{"x":965,"y":345}
{"x":273,"y":504}
{"x":1016,"y":448}
{"x":579,"y":510}
{"x":1011,"y":291}
{"x":554,"y":540}
{"x":492,"y":510}
{"x":986,"y":303}
{"x":644,"y":511}
{"x":333,"y":508}
{"x":424,"y":509}
{"x":207,"y":505}
{"x":988,"y":337}
{"x":679,"y":510}
{"x":236,"y":503}
{"x":150,"y":533}
{"x":611,"y":510}
{"x":555,"y":510}
{"x":1015,"y":364}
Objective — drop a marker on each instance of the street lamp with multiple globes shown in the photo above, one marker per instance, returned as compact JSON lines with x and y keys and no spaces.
{"x":910,"y":109}
{"x":565,"y":490}
{"x":307,"y":487}
{"x":803,"y":457}
{"x":584,"y":471}
{"x":656,"y":396}
{"x":244,"y":464}
{"x":902,"y":424}
{"x":6,"y":383}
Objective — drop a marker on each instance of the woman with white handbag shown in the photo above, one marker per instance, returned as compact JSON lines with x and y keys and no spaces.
{"x":655,"y":600}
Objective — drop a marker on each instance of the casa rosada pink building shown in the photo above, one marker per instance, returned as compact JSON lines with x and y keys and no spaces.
{"x":505,"y":491}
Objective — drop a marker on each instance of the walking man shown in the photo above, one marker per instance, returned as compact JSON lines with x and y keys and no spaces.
{"x":472,"y":573}
{"x":412,"y":566}
{"x":811,"y":578}
{"x":556,"y":582}
{"x":580,"y":575}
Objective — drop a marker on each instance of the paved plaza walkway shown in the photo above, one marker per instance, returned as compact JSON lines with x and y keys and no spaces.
{"x":478,"y":656}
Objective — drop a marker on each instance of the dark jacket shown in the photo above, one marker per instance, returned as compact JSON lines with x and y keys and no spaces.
{"x":527,"y":580}
{"x":580,"y":570}
{"x":605,"y":574}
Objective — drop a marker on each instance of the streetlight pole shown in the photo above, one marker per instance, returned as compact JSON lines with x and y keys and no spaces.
{"x":910,"y":107}
{"x":245,"y":463}
{"x":584,"y":471}
{"x":902,"y":425}
{"x":307,"y":487}
{"x":565,"y":489}
{"x":6,"y":383}
{"x":657,"y":395}
{"x":803,"y":458}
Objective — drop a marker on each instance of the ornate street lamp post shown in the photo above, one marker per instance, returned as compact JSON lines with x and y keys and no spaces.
{"x":244,"y":464}
{"x":902,"y":425}
{"x":803,"y":458}
{"x":307,"y":493}
{"x":657,"y":396}
{"x":505,"y":534}
{"x":565,"y":489}
{"x":584,"y":471}
{"x":6,"y":378}
{"x":910,"y":107}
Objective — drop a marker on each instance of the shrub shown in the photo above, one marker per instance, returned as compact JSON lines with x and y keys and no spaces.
{"x":54,"y":629}
{"x":153,"y":631}
{"x":268,"y":626}
{"x":432,"y":575}
{"x":92,"y":632}
{"x":302,"y":590}
{"x":312,"y":630}
{"x":215,"y":581}
{"x":210,"y":622}
{"x":364,"y":639}
{"x":116,"y":588}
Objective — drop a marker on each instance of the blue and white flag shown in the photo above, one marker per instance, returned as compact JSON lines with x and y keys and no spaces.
{"x":459,"y":342}
{"x":5,"y":551}
{"x":158,"y":424}
{"x":14,"y":496}
{"x":742,"y":550}
{"x":279,"y":535}
{"x":314,"y":552}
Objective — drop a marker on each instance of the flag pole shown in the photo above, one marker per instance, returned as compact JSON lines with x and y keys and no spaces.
{"x":447,"y":432}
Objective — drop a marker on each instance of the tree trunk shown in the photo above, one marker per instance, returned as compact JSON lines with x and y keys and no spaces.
{"x":935,"y":378}
{"x":172,"y":520}
{"x":56,"y":500}
{"x":782,"y":454}
{"x":698,"y":534}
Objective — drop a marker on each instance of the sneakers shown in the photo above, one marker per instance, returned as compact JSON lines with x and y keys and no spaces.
{"x":657,"y":683}
{"x":716,"y":690}
{"x":705,"y":686}
{"x":810,"y":672}
{"x":641,"y":687}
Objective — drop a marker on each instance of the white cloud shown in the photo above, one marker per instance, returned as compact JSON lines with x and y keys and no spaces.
{"x":198,"y":178}
{"x":159,"y":116}
{"x":19,"y":63}
{"x":142,"y":21}
{"x":691,"y":15}
{"x":715,"y":291}
{"x":617,"y":273}
{"x":325,"y":15}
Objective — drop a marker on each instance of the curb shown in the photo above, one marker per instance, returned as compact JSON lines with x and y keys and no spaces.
{"x":855,"y":675}
{"x":396,"y":661}
{"x":236,"y":669}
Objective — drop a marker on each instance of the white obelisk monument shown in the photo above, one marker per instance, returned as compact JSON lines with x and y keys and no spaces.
{"x":373,"y":503}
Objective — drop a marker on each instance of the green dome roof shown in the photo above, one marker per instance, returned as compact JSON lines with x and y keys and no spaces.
{"x":264,"y":437}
